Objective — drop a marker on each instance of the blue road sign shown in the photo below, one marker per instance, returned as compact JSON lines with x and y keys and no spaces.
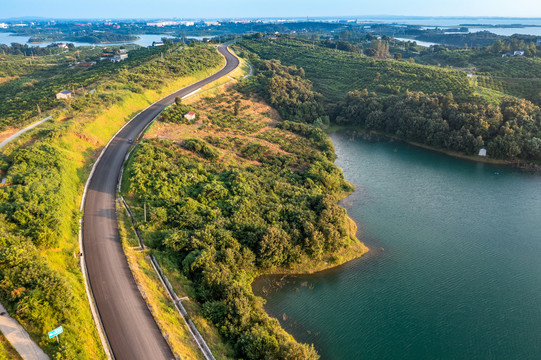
{"x":56,"y":332}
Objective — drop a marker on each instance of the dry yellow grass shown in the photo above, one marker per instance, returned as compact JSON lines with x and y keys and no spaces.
{"x":169,"y":320}
{"x":257,"y":110}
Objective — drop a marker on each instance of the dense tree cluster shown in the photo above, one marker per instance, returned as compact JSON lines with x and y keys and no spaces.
{"x":26,"y":50}
{"x":288,"y":91}
{"x":513,"y":44}
{"x":222,"y":226}
{"x":481,"y":38}
{"x":378,"y":48}
{"x":201,"y":148}
{"x":317,"y":136}
{"x":34,"y":292}
{"x":35,"y":207}
{"x":509,"y":130}
{"x":98,"y":37}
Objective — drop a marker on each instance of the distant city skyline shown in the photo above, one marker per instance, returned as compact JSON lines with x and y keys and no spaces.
{"x":279,"y":8}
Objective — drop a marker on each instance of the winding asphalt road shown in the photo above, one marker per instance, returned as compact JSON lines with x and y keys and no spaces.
{"x":129,"y":326}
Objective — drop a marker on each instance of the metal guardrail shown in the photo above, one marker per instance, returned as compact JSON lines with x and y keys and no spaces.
{"x":201,"y":343}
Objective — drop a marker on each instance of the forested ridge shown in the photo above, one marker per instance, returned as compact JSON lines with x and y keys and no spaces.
{"x":335,"y":72}
{"x":40,"y":279}
{"x":508,"y":130}
{"x":433,"y":106}
{"x":243,"y":197}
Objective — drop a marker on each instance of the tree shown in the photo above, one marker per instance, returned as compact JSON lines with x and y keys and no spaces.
{"x":274,"y":247}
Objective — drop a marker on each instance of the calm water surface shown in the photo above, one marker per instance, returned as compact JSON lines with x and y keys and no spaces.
{"x":144,"y":40}
{"x":455,"y":266}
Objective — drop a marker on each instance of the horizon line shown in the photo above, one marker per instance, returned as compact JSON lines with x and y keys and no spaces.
{"x":338,"y":17}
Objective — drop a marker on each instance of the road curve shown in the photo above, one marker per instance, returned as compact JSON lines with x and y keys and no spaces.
{"x":129,"y":326}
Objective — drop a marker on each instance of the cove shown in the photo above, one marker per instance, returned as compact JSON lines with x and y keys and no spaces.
{"x":454,"y":270}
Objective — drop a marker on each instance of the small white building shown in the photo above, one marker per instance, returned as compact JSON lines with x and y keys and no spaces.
{"x":62,"y":45}
{"x":483,"y":151}
{"x":119,"y":57}
{"x":518,"y":53}
{"x":162,"y":23}
{"x":3,"y":26}
{"x":65,"y":94}
{"x":157,"y":43}
{"x":470,"y":75}
{"x":189,"y":115}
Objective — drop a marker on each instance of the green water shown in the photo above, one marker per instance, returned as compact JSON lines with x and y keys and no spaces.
{"x":455,"y":266}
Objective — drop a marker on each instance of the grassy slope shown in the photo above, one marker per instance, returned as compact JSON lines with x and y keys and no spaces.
{"x":335,"y":73}
{"x":86,"y":135}
{"x":262,"y":120}
{"x":512,"y":76}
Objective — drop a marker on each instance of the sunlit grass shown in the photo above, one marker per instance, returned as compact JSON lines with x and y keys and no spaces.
{"x":81,"y":139}
{"x":7,"y":352}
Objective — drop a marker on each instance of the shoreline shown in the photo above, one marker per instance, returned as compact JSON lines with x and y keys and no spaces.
{"x":354,"y":250}
{"x":517,"y":164}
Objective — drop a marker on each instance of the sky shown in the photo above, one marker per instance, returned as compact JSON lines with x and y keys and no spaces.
{"x":253,"y":8}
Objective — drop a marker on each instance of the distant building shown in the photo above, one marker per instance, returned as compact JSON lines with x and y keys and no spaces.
{"x":186,"y":23}
{"x":189,"y":116}
{"x":162,"y":23}
{"x":515,"y":53}
{"x":3,"y":26}
{"x":470,"y":75}
{"x":157,"y":43}
{"x":65,"y":94}
{"x":62,"y":45}
{"x":119,"y":57}
{"x":483,"y":151}
{"x":538,"y":42}
{"x":211,"y":23}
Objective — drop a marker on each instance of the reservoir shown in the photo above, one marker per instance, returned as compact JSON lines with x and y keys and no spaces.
{"x":143,"y":40}
{"x":454,"y":270}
